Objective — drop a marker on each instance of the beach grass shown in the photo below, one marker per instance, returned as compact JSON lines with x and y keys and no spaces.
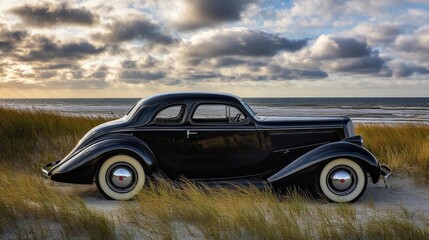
{"x":31,"y":208}
{"x":28,"y":206}
{"x":31,"y":137}
{"x":403,"y":147}
{"x":170,"y":211}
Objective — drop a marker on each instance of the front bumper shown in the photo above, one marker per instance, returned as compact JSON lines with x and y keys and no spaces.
{"x":385,"y":172}
{"x":46,"y":169}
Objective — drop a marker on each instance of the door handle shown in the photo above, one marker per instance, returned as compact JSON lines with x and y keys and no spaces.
{"x":188,"y":133}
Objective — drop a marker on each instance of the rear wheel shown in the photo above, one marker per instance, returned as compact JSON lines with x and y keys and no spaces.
{"x":120,"y":177}
{"x":342,"y":180}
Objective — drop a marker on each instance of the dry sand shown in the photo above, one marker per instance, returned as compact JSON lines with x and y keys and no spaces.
{"x":401,"y":193}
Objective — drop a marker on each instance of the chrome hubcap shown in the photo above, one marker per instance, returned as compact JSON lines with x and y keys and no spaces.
{"x":342,"y":180}
{"x":121,"y":177}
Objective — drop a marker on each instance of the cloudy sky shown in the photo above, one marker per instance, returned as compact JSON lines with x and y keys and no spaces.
{"x":305,"y":48}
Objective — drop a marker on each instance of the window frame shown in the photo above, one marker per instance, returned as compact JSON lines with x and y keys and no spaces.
{"x":194,"y":109}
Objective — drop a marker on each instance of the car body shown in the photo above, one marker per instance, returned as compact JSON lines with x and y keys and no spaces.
{"x":217,"y":138}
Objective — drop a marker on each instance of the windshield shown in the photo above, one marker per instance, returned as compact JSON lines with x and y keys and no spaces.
{"x":134,"y":109}
{"x":129,"y":111}
{"x":248,"y":108}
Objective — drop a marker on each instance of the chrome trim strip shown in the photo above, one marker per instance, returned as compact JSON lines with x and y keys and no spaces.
{"x":293,"y":148}
{"x":217,"y":129}
{"x":232,"y":178}
{"x":304,"y":127}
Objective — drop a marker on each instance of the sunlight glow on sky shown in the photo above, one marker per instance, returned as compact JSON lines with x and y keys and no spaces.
{"x":253,"y":48}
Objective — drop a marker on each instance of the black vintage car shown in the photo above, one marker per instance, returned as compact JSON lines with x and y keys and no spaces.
{"x":216,"y":138}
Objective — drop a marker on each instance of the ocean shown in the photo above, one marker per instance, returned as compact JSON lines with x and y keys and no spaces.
{"x":365,"y":110}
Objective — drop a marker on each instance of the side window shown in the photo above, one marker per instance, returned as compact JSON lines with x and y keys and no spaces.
{"x":218,"y":113}
{"x":171,"y":114}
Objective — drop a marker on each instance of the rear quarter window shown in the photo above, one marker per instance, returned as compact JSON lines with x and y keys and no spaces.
{"x":171,"y":114}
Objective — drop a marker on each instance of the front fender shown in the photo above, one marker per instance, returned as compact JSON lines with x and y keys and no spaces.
{"x":81,"y":167}
{"x":325,"y":153}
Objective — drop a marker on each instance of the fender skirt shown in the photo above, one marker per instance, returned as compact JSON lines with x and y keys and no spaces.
{"x":80,"y":167}
{"x":325,"y":153}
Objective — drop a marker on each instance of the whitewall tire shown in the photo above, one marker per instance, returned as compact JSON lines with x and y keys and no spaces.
{"x":120,"y":177}
{"x":342,"y":180}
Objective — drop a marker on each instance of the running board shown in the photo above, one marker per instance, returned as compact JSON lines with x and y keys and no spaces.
{"x":260,"y":184}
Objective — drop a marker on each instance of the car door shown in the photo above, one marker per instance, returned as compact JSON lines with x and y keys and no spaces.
{"x":165,"y":136}
{"x":221,"y":142}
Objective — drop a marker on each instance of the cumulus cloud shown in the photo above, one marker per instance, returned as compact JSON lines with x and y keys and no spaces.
{"x":134,"y":29}
{"x":240,"y":42}
{"x":377,"y":33}
{"x":100,"y":72}
{"x":144,"y":62}
{"x":228,"y":61}
{"x":129,"y":64}
{"x":41,"y":48}
{"x":401,"y":69}
{"x":56,"y":66}
{"x":138,"y":76}
{"x":77,"y":74}
{"x":362,"y":65}
{"x":46,"y":74}
{"x":336,"y":47}
{"x":276,"y":72}
{"x":148,"y":62}
{"x":47,"y":14}
{"x":203,"y":76}
{"x":10,"y":38}
{"x":413,"y":47}
{"x":416,"y":42}
{"x":193,"y":14}
{"x":348,"y":55}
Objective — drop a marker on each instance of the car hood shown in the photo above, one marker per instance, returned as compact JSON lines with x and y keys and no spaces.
{"x":274,"y":122}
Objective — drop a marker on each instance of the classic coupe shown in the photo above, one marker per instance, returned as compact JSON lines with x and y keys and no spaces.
{"x":216,"y":138}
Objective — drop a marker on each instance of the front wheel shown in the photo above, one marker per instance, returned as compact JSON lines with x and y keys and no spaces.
{"x":120,"y":177}
{"x":342,"y":180}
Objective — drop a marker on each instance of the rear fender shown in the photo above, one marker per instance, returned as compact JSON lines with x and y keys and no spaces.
{"x":81,"y":167}
{"x":324,"y":154}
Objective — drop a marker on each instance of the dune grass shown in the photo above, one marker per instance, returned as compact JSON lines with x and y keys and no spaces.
{"x":171,"y":211}
{"x":30,"y":138}
{"x":28,"y":206}
{"x":31,"y":208}
{"x":404,"y":148}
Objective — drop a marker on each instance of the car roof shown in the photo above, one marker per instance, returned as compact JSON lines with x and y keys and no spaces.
{"x":195,"y":96}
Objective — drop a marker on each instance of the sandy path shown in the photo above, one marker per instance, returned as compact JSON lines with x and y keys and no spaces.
{"x":401,"y":193}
